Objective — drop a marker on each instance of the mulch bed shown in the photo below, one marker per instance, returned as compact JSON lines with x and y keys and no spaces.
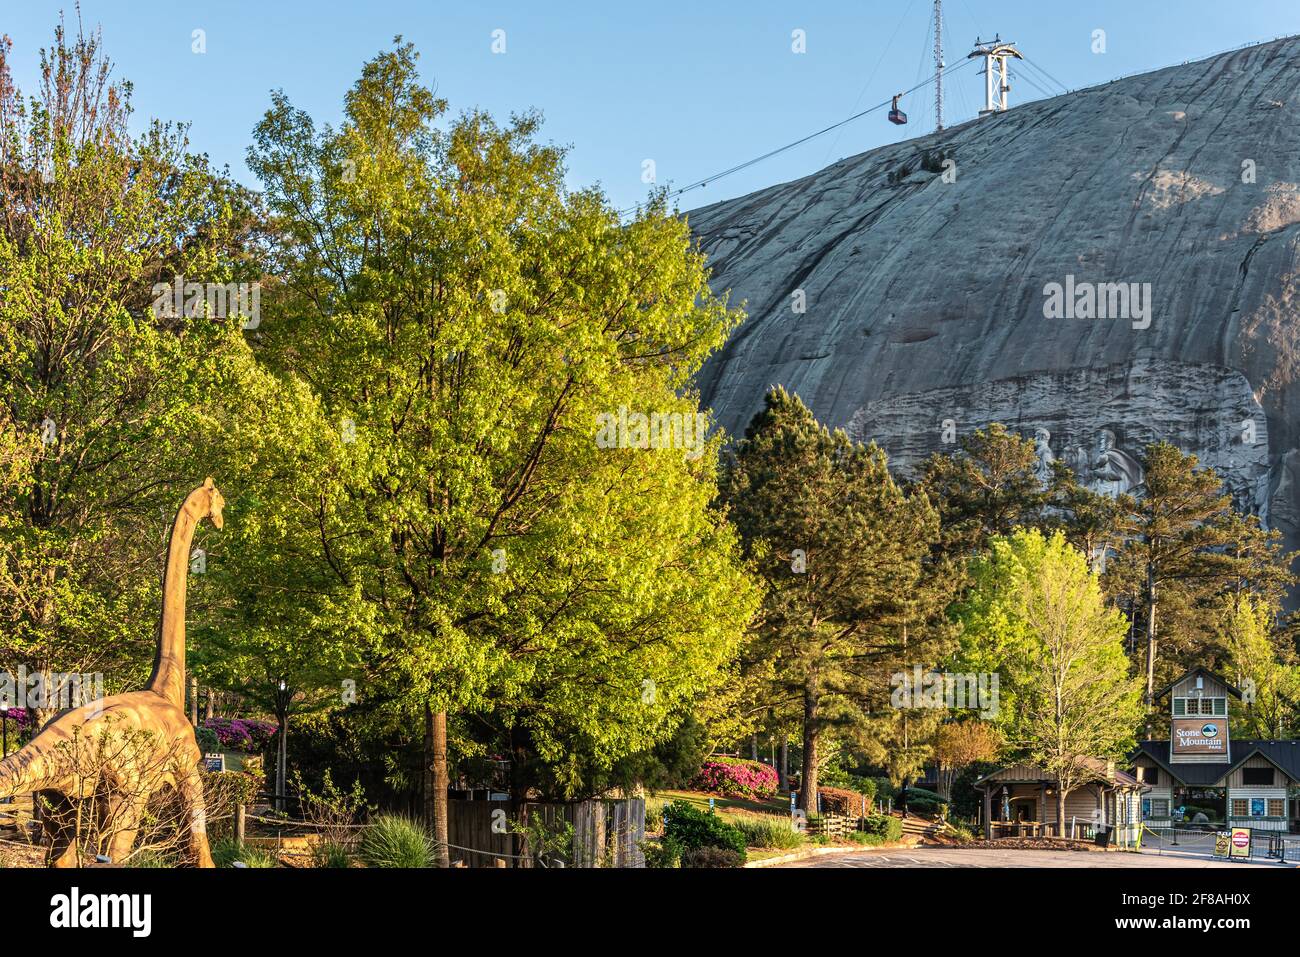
{"x":1034,"y":844}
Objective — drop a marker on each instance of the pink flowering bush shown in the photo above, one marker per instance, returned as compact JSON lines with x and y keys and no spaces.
{"x":733,"y":777}
{"x":242,"y":734}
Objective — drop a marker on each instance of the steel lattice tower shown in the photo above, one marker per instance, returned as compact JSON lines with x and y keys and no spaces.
{"x":938,"y":65}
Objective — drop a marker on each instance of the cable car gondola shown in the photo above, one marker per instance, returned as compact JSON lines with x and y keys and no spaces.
{"x":896,"y":115}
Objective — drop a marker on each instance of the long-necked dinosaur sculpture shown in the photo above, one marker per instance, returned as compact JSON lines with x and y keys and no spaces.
{"x":127,"y":777}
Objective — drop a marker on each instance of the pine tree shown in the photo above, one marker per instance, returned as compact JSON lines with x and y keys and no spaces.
{"x":1185,"y":545}
{"x":852,"y":595}
{"x":988,"y":486}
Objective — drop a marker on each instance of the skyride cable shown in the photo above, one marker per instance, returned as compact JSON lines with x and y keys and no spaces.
{"x":699,"y":184}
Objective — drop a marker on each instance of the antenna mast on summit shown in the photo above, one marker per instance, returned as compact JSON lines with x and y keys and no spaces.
{"x":938,"y":66}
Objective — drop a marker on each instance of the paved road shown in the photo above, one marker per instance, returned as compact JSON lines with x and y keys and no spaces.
{"x":1010,"y":857}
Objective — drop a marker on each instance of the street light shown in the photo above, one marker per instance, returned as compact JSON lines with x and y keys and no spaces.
{"x":282,"y":752}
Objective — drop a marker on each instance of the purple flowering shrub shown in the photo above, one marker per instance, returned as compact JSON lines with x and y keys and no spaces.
{"x":21,"y":717}
{"x":734,"y":777}
{"x":242,"y":734}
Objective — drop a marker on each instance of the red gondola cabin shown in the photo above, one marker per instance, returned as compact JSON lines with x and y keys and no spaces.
{"x":896,"y":115}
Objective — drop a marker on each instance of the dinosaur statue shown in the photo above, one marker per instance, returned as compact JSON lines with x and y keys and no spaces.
{"x":42,"y":766}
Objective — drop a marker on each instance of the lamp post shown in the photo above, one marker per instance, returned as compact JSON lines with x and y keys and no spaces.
{"x":4,"y":728}
{"x":282,"y":752}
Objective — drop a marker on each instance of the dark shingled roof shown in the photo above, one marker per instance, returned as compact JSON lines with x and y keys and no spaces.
{"x":1285,"y":754}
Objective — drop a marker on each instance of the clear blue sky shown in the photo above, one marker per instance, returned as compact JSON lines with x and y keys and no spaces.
{"x":696,"y":86}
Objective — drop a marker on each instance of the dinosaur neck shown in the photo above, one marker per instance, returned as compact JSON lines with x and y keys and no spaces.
{"x":168,"y":678}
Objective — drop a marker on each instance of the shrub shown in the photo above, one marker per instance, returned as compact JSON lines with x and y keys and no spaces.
{"x":884,"y":789}
{"x":834,"y":775}
{"x":242,"y":734}
{"x":844,"y":801}
{"x":207,"y":740}
{"x":862,"y":837}
{"x":692,"y":828}
{"x":922,"y":794}
{"x":222,"y":792}
{"x":330,"y":855}
{"x":391,"y":840}
{"x":712,"y":857}
{"x":884,"y":826}
{"x":736,"y":778}
{"x":662,"y":853}
{"x":767,"y":830}
{"x":960,"y":833}
{"x":227,"y":851}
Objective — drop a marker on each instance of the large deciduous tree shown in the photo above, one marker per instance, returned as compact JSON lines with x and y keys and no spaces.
{"x":1074,"y":703}
{"x":466,"y":322}
{"x":109,"y":409}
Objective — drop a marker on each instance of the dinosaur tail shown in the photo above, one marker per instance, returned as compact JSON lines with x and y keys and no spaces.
{"x":32,"y":768}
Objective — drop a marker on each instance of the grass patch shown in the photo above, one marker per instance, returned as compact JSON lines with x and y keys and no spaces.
{"x":775,"y":805}
{"x":766,"y":830}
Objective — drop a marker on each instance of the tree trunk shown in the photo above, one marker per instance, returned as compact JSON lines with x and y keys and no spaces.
{"x":435,"y":780}
{"x":1151,"y":648}
{"x":783,"y":768}
{"x":753,"y":747}
{"x":808,"y":786}
{"x":1061,"y":795}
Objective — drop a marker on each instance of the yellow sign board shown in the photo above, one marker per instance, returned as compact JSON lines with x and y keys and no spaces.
{"x":1240,"y":842}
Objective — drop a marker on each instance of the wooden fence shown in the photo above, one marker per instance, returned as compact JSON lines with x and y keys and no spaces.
{"x":834,"y":825}
{"x":605,"y":833}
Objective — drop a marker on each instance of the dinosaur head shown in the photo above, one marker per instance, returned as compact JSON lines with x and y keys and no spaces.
{"x":215,"y":502}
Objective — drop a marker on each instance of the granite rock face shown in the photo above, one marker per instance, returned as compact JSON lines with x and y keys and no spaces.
{"x":893,"y":297}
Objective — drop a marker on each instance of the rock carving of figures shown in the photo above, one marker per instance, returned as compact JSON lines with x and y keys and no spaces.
{"x":1114,"y":471}
{"x":1043,"y":450}
{"x":1081,"y":464}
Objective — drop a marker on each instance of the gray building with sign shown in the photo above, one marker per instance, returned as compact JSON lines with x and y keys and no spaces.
{"x":1198,"y":776}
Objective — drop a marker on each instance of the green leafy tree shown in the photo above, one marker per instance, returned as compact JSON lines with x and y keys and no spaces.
{"x":273,"y":625}
{"x":1074,"y":704}
{"x":109,"y":409}
{"x":852,"y":595}
{"x":467,"y":320}
{"x":1263,"y":663}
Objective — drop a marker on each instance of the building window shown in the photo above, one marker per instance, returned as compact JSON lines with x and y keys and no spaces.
{"x":1155,"y":808}
{"x":1259,"y":777}
{"x":1276,"y":807}
{"x":1240,"y":807}
{"x":1203,"y":707}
